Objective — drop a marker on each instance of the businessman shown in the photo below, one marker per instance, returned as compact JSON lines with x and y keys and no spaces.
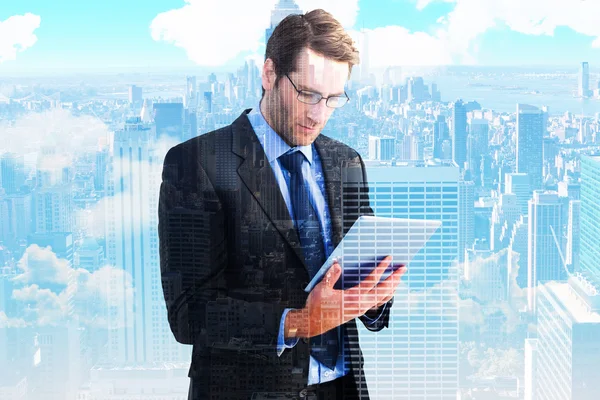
{"x":247,"y":215}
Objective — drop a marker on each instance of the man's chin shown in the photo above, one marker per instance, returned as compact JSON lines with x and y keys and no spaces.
{"x":305,"y":140}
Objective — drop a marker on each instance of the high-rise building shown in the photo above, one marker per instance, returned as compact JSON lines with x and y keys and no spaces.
{"x":573,"y":236}
{"x":424,"y":363}
{"x":519,"y":185}
{"x":531,"y":352}
{"x":416,"y":89}
{"x":589,"y":223}
{"x":190,"y":86}
{"x":530,"y":133}
{"x":387,"y":148}
{"x":544,"y":247}
{"x":16,"y":218}
{"x":568,"y":328}
{"x":138,"y":332}
{"x":435,"y":93}
{"x":519,"y":243}
{"x":374,"y":147}
{"x":466,"y":217}
{"x":169,"y":119}
{"x":100,"y":168}
{"x":53,"y":195}
{"x":440,"y":133}
{"x":282,"y":9}
{"x":135,"y":96}
{"x":506,"y":212}
{"x":459,"y":133}
{"x":12,"y":171}
{"x":90,"y":255}
{"x":207,"y":102}
{"x":477,"y":145}
{"x":584,"y":80}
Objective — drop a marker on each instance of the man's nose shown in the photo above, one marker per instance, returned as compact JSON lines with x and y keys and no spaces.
{"x":316,"y":112}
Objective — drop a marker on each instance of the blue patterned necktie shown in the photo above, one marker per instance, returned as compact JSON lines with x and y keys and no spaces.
{"x":324,"y":347}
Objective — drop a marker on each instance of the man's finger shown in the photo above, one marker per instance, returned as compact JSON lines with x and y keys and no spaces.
{"x":389,"y":284}
{"x":373,"y":278}
{"x":333,"y":274}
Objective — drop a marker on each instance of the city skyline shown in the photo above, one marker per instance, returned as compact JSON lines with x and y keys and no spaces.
{"x":503,"y":301}
{"x":72,"y":37}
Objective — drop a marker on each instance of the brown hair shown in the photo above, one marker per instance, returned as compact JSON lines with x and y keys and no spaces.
{"x":318,"y":31}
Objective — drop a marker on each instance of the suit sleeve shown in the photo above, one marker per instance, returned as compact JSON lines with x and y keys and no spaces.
{"x":202,"y":305}
{"x":383,"y":312}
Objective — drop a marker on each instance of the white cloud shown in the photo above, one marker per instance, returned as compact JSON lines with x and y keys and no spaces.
{"x":421,"y":4}
{"x":42,"y":266}
{"x":7,"y":322}
{"x":396,"y":45}
{"x":58,"y":130}
{"x":16,"y":35}
{"x":50,"y":292}
{"x":471,"y":18}
{"x":213,"y":33}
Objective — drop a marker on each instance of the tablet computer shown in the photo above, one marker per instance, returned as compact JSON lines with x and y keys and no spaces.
{"x":369,"y":241}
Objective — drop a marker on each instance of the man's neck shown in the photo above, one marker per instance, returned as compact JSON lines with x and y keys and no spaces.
{"x":266,"y":115}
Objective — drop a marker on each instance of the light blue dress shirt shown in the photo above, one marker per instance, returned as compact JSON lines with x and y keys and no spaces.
{"x":274,"y":146}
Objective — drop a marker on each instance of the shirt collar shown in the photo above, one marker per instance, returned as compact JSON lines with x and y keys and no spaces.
{"x":273,"y":145}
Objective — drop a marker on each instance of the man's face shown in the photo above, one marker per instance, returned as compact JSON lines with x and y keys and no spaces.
{"x":298,"y":123}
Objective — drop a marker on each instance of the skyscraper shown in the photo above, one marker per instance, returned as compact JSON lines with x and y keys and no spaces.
{"x":544,"y":248}
{"x":589,"y":224}
{"x":519,"y":243}
{"x":506,"y":212}
{"x":12,"y":169}
{"x":387,"y":148}
{"x":459,"y":133}
{"x":477,"y":146}
{"x":440,"y":133}
{"x":584,"y":80}
{"x":138,"y":330}
{"x":53,"y":195}
{"x":573,"y":235}
{"x":567,"y":350}
{"x":466,"y":217}
{"x":169,"y":119}
{"x":135,"y":96}
{"x":282,"y":9}
{"x":531,"y":352}
{"x":190,"y":97}
{"x":518,"y":184}
{"x":374,"y":147}
{"x":419,"y":360}
{"x":530,"y":133}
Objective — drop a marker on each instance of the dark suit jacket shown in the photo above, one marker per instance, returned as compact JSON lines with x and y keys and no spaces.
{"x":231,"y":259}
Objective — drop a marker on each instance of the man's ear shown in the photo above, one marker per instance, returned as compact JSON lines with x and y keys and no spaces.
{"x":268,"y":75}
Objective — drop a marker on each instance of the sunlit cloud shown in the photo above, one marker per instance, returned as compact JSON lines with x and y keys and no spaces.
{"x":17,"y":35}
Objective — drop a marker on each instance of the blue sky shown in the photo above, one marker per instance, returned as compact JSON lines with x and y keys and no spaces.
{"x":82,"y":35}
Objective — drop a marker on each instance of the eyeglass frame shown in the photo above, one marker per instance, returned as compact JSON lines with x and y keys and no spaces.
{"x":322,"y":97}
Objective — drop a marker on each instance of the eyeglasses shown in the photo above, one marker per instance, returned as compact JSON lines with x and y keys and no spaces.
{"x":307,"y":97}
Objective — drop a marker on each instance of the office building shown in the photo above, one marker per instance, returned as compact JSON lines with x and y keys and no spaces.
{"x":530,"y":133}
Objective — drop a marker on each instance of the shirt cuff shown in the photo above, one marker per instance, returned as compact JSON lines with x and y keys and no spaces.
{"x":371,"y":321}
{"x":283,"y":344}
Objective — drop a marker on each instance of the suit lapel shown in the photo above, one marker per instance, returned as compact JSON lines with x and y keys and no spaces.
{"x":330,"y":162}
{"x":258,"y":176}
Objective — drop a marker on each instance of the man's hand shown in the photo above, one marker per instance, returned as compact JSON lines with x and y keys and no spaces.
{"x":327,"y":308}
